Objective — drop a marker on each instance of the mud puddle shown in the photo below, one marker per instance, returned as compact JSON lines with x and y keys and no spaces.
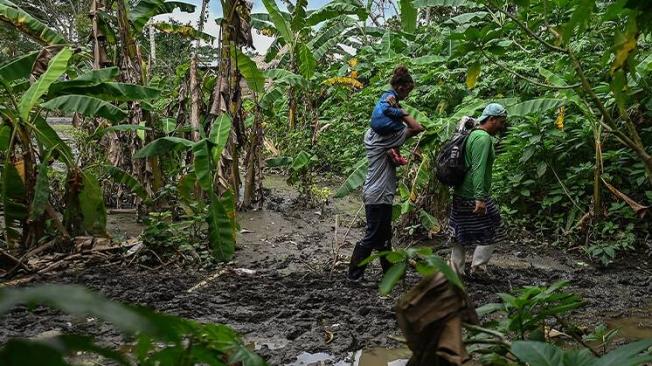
{"x":637,"y":325}
{"x":295,"y":304}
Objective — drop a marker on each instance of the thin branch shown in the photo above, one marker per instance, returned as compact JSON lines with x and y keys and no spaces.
{"x":532,"y":81}
{"x":576,"y":337}
{"x":490,"y":332}
{"x":563,"y":186}
{"x":528,"y":30}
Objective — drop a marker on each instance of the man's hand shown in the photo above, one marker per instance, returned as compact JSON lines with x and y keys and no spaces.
{"x":480,"y":208}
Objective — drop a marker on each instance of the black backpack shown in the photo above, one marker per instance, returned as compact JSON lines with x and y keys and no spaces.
{"x":450,"y":164}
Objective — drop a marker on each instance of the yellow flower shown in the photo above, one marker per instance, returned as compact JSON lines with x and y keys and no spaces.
{"x":559,"y":122}
{"x":353,"y":62}
{"x":354,"y":74}
{"x":344,"y":81}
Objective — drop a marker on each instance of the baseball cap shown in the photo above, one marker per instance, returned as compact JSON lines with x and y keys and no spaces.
{"x":492,"y":110}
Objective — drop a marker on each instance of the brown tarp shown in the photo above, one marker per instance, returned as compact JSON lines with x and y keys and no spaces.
{"x":431,"y":315}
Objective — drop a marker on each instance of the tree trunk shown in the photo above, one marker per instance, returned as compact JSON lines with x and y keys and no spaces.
{"x":195,"y":100}
{"x":253,"y":181}
{"x":124,"y":145}
{"x":152,"y":48}
{"x":100,"y":58}
{"x":597,"y":174}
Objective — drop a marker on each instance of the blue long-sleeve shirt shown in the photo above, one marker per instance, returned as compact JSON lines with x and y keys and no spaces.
{"x":387,"y":117}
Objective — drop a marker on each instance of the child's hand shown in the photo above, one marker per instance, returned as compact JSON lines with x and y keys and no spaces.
{"x":392,"y":101}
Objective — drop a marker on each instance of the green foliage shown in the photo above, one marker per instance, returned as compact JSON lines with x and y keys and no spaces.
{"x":32,"y":27}
{"x":221,"y":229}
{"x":184,"y":340}
{"x":91,"y":203}
{"x":530,"y":307}
{"x":19,"y":68}
{"x":56,"y":67}
{"x":120,"y":176}
{"x":427,"y":264}
{"x":408,"y":16}
{"x":163,"y":145}
{"x":542,"y":354}
{"x":41,"y":189}
{"x":355,"y":180}
{"x":254,"y":77}
{"x":146,"y":9}
{"x":85,"y":105}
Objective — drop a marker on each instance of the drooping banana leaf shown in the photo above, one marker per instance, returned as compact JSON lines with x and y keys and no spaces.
{"x":355,"y":179}
{"x":221,"y":233}
{"x":51,"y":140}
{"x":337,"y":8}
{"x":280,"y":23}
{"x":147,"y":9}
{"x":330,"y":35}
{"x":56,"y":68}
{"x":87,"y":106}
{"x":18,"y":68}
{"x":163,"y":145}
{"x":107,"y":91}
{"x":120,"y":176}
{"x":220,"y":135}
{"x":203,"y":165}
{"x":299,"y":16}
{"x":254,"y":77}
{"x":274,"y":49}
{"x":10,"y":13}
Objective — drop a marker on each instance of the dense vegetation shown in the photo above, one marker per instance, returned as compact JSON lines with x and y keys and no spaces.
{"x":180,"y":126}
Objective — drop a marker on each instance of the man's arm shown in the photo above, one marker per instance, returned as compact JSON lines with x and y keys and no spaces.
{"x":414,"y":127}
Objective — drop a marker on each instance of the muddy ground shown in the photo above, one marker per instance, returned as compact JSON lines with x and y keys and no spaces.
{"x":298,"y":296}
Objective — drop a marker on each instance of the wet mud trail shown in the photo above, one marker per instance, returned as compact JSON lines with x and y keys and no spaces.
{"x":291,"y":299}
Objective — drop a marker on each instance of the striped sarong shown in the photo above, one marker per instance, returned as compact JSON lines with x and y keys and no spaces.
{"x":468,"y":228}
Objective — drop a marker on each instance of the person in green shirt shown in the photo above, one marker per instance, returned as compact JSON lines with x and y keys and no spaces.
{"x":475,"y":218}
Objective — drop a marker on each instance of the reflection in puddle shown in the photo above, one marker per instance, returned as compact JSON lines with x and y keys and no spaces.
{"x":367,"y":357}
{"x":311,"y":359}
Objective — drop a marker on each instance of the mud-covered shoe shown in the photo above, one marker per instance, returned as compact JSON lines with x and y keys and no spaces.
{"x":481,"y":274}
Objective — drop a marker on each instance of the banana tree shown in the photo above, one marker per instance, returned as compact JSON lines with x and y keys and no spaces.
{"x":235,"y":32}
{"x":29,"y":145}
{"x":220,"y":209}
{"x":294,"y":41}
{"x":131,"y":21}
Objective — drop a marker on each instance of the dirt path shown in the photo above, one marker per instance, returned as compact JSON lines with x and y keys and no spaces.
{"x":295,"y":311}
